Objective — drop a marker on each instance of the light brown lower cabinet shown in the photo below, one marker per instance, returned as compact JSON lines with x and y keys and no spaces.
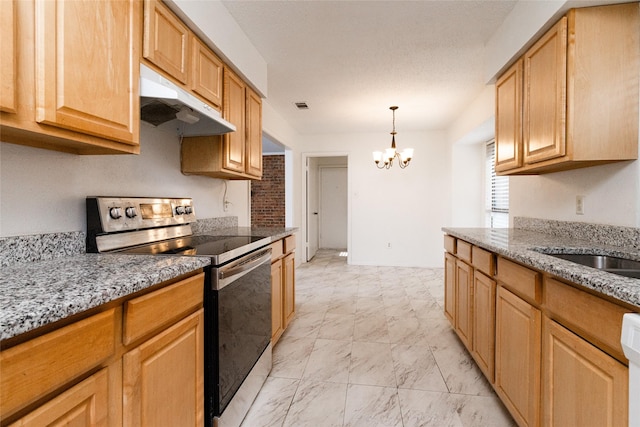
{"x":450,"y":287}
{"x":137,"y":364}
{"x":484,"y":323}
{"x":582,"y":385}
{"x":464,"y":302}
{"x":163,"y":378}
{"x":518,"y":328}
{"x":85,"y":404}
{"x":550,"y":349}
{"x":289,"y":280}
{"x":283,"y":286}
{"x":277,"y":326}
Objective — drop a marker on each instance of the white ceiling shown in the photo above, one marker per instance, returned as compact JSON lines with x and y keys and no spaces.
{"x":351,"y":60}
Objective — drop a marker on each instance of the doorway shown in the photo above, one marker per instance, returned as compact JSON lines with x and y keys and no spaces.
{"x":327,"y":210}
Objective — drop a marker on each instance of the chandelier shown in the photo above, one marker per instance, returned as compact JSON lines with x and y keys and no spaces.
{"x":385,"y":160}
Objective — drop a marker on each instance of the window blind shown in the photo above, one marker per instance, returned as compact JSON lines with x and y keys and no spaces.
{"x":496,"y":192}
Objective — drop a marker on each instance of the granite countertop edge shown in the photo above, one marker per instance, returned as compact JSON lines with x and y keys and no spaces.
{"x":527,"y":247}
{"x":36,"y":294}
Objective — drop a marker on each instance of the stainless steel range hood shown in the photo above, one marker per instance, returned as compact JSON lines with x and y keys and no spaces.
{"x":165,"y":105}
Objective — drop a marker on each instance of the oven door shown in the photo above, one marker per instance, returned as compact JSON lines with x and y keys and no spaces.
{"x":239,"y":323}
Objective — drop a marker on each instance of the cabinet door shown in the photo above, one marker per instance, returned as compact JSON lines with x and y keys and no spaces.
{"x":450,"y":288}
{"x":234,"y":111}
{"x":582,"y":385}
{"x":518,"y":328}
{"x":509,"y":119}
{"x":166,"y":40}
{"x":464,"y":302}
{"x":206,"y":77}
{"x":253,"y":119}
{"x":163,"y":379}
{"x":484,"y":323}
{"x":85,"y":404}
{"x":289,"y":288}
{"x":87,"y":67}
{"x":545,"y":101}
{"x":277,"y":327}
{"x":8,"y":53}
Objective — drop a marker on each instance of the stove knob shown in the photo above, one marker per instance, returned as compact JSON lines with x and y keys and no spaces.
{"x":130,"y":212}
{"x":115,"y":213}
{"x":188,"y":210}
{"x":179,"y":210}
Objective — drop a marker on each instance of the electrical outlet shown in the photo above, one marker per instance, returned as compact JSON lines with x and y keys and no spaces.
{"x":579,"y":205}
{"x":389,"y":245}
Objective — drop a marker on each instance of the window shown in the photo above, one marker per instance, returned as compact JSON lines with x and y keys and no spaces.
{"x":496,"y":193}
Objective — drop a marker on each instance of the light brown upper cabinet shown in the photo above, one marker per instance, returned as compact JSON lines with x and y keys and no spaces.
{"x":509,"y":119}
{"x":166,"y":40}
{"x":235,"y":155}
{"x":206,"y":73}
{"x":173,"y":49}
{"x":8,"y":63}
{"x":234,"y":145}
{"x":580,"y":86}
{"x":78,"y":64}
{"x":253,"y":136}
{"x":545,"y":77}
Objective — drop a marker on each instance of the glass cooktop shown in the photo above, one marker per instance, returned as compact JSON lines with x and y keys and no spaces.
{"x":219,"y":248}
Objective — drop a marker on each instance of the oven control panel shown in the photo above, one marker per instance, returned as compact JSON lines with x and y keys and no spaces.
{"x":134,"y":213}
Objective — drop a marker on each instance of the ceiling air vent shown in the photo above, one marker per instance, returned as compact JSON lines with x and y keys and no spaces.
{"x":302,"y":105}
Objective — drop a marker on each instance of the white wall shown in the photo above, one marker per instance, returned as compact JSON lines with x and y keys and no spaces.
{"x":467,"y":185}
{"x":44,"y":191}
{"x":467,"y":135}
{"x":404,"y":207}
{"x":611,"y":195}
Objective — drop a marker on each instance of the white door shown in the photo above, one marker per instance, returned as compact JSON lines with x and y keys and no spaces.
{"x":312,"y":207}
{"x":333,"y":207}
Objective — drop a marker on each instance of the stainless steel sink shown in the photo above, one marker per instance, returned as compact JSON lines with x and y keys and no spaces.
{"x":611,"y":264}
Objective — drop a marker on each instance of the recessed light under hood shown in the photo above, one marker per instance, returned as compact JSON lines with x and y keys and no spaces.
{"x":165,"y":105}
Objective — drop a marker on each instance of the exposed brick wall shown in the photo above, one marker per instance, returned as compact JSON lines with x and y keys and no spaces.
{"x":267,"y":195}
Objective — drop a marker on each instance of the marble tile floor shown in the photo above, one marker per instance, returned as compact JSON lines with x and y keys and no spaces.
{"x":370,"y":346}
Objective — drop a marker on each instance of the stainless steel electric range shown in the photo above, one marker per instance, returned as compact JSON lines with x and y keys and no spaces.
{"x":237,"y":294}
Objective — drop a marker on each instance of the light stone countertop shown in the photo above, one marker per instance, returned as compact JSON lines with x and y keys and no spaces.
{"x":523,"y":246}
{"x":39,"y":293}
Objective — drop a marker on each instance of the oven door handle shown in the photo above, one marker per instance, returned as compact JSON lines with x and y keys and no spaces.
{"x":242,"y":267}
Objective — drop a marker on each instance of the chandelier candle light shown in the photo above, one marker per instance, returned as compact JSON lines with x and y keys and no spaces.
{"x":385,"y":160}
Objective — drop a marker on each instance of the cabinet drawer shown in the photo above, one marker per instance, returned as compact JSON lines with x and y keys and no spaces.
{"x":483,"y":260}
{"x":591,"y":317}
{"x":276,"y":250}
{"x":289,"y":244}
{"x":40,"y":366}
{"x":144,"y":314}
{"x":524,"y":282}
{"x":450,"y":244}
{"x":463,"y":250}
